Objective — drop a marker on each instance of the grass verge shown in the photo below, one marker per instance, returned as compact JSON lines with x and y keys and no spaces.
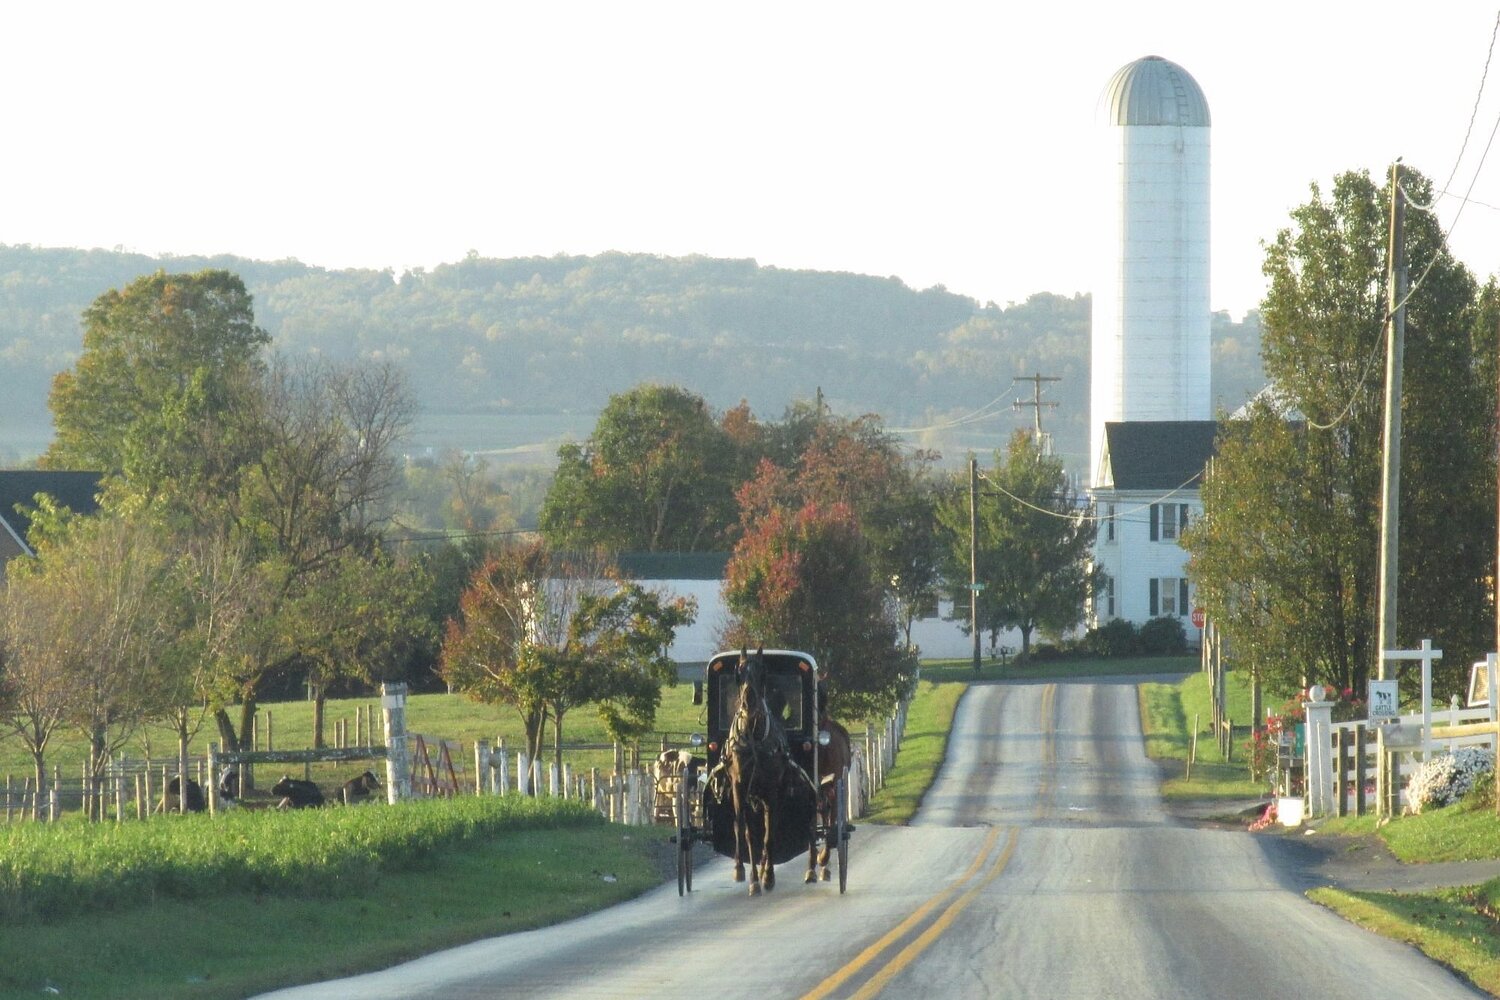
{"x":1167,"y":711}
{"x":929,"y":720}
{"x":1464,"y":831}
{"x":238,"y":944}
{"x":1453,"y":926}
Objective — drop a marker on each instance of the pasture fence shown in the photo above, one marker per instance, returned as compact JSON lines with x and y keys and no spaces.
{"x":422,"y":765}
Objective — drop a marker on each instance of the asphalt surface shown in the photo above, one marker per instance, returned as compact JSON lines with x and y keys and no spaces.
{"x":1042,"y":865}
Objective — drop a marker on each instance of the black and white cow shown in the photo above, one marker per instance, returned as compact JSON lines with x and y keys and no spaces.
{"x":296,"y":793}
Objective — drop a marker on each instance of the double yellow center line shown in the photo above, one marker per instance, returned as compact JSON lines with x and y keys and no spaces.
{"x":951,"y":908}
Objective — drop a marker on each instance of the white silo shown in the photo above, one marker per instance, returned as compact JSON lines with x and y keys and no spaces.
{"x":1151,"y":305}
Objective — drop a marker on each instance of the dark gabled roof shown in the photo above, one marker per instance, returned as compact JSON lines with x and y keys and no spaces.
{"x":76,"y":491}
{"x":1158,"y":454}
{"x":673,"y":565}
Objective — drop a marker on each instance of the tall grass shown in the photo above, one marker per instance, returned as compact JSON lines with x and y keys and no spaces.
{"x":53,"y":870}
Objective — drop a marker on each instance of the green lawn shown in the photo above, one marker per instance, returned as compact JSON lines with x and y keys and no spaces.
{"x":928,"y":722}
{"x":1453,"y":926}
{"x":235,"y":944}
{"x":1168,"y":712}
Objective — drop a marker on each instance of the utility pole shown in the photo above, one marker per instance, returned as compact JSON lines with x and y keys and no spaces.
{"x":1036,"y":402}
{"x":974,"y":556}
{"x":1390,"y":486}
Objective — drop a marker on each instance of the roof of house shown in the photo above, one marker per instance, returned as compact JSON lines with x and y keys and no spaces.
{"x":1157,"y":454}
{"x":673,"y":565}
{"x":78,"y":491}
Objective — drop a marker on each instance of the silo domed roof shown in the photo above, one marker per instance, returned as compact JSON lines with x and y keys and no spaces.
{"x":1155,"y":91}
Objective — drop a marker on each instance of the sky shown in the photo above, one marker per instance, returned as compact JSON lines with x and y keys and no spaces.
{"x":943,"y":143}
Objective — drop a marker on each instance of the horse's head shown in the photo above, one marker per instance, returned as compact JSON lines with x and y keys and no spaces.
{"x":752,"y":716}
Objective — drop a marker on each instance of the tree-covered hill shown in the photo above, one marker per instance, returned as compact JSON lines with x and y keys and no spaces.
{"x":484,"y":340}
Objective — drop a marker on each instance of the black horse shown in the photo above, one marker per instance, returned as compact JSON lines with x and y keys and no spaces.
{"x":757,"y":764}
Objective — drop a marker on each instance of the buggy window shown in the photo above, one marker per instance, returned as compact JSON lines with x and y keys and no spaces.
{"x":783,"y":697}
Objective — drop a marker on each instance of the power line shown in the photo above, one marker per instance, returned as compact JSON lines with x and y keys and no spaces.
{"x":1463,"y":201}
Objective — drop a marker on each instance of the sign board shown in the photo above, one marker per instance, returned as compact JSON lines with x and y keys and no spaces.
{"x":1384,"y":701}
{"x":1479,"y":685}
{"x":1198,"y":618}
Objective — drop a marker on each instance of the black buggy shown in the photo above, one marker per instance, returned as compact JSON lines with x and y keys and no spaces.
{"x":792,"y":694}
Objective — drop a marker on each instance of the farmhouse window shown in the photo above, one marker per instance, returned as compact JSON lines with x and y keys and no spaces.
{"x":1167,"y":521}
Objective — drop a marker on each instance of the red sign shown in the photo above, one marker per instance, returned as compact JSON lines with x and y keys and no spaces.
{"x":1198,"y":618}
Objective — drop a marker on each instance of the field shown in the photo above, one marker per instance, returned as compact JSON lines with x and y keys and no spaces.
{"x":435,"y":716}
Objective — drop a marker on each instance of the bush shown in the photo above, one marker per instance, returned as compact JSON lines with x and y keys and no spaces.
{"x":1045,"y":652}
{"x":1448,"y":777}
{"x":1116,"y":637}
{"x":1163,"y":637}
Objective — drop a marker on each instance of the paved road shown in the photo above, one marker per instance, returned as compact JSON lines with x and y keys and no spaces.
{"x":1042,"y":865}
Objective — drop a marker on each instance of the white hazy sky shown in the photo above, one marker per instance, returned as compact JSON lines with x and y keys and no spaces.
{"x":939,"y":142}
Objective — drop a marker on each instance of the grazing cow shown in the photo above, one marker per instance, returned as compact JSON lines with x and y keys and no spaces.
{"x":296,"y":793}
{"x":360,"y":789}
{"x":171,"y":801}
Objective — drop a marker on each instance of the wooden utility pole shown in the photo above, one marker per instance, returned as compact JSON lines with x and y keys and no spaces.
{"x":1035,"y":402}
{"x":974,"y":556}
{"x":1390,"y":486}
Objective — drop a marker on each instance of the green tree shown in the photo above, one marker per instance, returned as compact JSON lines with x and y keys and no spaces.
{"x":546,"y":632}
{"x":356,"y":618}
{"x":1034,"y":545}
{"x":185,"y":340}
{"x":85,"y":611}
{"x":1286,"y":554}
{"x":657,"y":475}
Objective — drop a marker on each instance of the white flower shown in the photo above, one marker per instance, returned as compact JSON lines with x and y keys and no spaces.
{"x":1447,"y":777}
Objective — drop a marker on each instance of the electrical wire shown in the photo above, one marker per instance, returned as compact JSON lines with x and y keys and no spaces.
{"x":974,"y":416}
{"x":1120,"y":516}
{"x":1448,"y":232}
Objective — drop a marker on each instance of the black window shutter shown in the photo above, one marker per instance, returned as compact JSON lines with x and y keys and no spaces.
{"x":1182,"y":515}
{"x":1155,"y":588}
{"x":1182,"y":596}
{"x":1155,"y":532}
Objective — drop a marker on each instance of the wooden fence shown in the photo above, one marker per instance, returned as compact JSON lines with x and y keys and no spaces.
{"x":428,"y":766}
{"x":1353,"y":748}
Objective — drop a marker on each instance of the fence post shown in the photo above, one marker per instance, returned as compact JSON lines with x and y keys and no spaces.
{"x":481,"y":765}
{"x":1359,"y":769}
{"x":211,"y":792}
{"x":523,"y":773}
{"x":567,"y":781}
{"x":1341,"y":772}
{"x":616,"y":782}
{"x":397,"y":757}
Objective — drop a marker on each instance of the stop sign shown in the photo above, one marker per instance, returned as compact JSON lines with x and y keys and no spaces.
{"x":1198,"y":618}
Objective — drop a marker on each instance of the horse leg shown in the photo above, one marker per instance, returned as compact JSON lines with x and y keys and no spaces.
{"x":769,"y":878}
{"x":739,"y":834}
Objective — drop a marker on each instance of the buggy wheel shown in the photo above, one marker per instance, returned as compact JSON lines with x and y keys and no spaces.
{"x":841,"y":830}
{"x":684,"y":841}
